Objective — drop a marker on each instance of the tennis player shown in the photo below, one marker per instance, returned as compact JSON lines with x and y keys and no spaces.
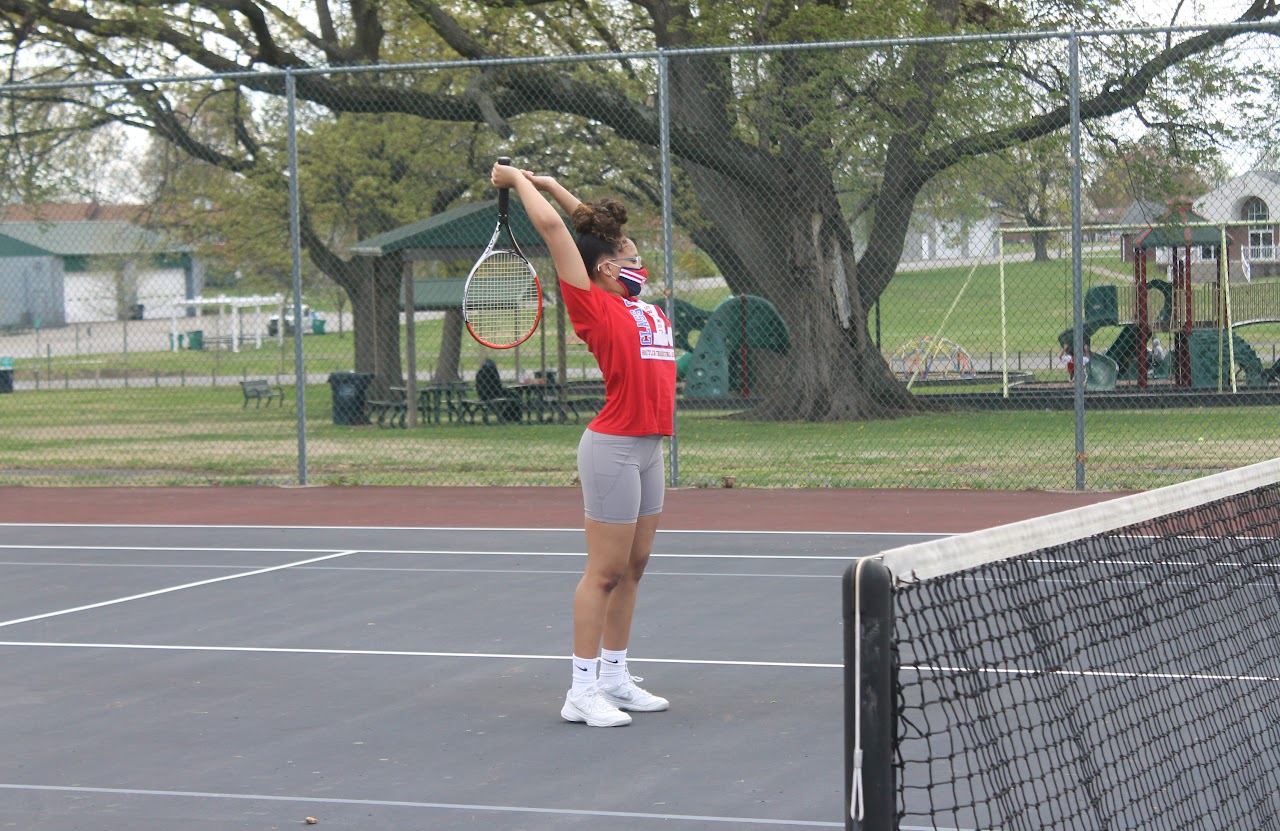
{"x":620,"y":461}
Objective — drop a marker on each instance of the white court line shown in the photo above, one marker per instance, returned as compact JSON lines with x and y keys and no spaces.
{"x":1089,"y":673}
{"x":170,"y":589}
{"x":58,"y":547}
{"x":424,"y":570}
{"x":392,"y":803}
{"x":654,"y":556}
{"x":425,"y":551}
{"x":287,"y":650}
{"x":687,"y":661}
{"x":577,"y":530}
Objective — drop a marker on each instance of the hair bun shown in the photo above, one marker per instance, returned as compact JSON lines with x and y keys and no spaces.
{"x":602,"y":219}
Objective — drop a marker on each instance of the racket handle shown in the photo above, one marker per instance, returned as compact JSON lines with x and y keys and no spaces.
{"x":504,"y":194}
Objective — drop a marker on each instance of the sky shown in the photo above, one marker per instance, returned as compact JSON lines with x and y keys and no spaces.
{"x":1189,"y":12}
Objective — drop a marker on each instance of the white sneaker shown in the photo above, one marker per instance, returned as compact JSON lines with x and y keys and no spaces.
{"x":630,"y":696}
{"x":594,"y":709}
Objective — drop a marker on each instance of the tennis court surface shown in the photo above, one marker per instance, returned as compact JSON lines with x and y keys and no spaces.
{"x":396,"y":658}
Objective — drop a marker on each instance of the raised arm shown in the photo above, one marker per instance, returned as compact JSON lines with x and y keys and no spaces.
{"x":567,"y":201}
{"x":546,"y":220}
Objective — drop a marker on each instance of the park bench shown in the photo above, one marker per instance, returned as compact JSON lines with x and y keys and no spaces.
{"x":258,"y":390}
{"x":217,"y":342}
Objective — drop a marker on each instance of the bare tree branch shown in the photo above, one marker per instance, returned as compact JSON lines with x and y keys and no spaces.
{"x":1118,"y":95}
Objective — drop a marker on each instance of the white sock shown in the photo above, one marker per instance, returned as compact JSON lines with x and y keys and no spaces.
{"x":584,"y":674}
{"x":613,"y":668}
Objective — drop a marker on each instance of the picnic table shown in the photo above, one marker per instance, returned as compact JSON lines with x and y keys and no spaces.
{"x":436,"y":404}
{"x":442,"y":401}
{"x":543,"y":402}
{"x":456,"y":402}
{"x":532,"y":403}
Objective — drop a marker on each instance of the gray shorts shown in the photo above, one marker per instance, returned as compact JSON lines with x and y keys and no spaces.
{"x":622,"y":476}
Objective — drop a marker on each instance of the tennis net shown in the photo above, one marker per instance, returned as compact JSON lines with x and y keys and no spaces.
{"x":1112,"y":667}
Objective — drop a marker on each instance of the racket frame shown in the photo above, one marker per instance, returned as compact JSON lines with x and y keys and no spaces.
{"x":504,"y":224}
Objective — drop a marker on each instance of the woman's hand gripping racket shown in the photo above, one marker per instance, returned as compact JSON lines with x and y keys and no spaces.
{"x":502,"y":300}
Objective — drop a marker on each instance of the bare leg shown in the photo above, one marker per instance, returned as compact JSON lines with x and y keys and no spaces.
{"x":609,"y":547}
{"x":622,"y":600}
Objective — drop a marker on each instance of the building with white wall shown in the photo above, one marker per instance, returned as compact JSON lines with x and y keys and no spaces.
{"x":1249,"y":205}
{"x":109,"y":268}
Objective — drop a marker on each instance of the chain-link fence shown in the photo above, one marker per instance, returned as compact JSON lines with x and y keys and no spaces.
{"x":997,"y":261}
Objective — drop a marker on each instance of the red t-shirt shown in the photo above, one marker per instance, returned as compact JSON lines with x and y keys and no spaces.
{"x":632,"y":342}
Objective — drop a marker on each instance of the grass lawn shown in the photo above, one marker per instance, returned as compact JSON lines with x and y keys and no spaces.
{"x":171,"y":426}
{"x":204,"y":436}
{"x":960,"y":303}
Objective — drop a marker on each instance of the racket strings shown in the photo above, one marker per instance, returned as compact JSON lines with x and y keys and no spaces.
{"x":503,"y":301}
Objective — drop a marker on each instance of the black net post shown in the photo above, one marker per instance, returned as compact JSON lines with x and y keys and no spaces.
{"x":871,"y":791}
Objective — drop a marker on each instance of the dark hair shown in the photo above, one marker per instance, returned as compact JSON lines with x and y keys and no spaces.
{"x":599,"y":226}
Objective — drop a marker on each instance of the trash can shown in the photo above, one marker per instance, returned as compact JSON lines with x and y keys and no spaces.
{"x":317,"y":325}
{"x":6,"y":375}
{"x":349,"y":389}
{"x":195,"y":340}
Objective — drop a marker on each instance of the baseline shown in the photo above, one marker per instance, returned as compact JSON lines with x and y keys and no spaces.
{"x":397,"y":803}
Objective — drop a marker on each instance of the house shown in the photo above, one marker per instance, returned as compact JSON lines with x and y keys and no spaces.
{"x":1249,"y":205}
{"x":110,"y":265}
{"x":930,"y":238}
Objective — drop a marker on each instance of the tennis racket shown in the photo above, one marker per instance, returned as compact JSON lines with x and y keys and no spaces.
{"x":502,"y":299}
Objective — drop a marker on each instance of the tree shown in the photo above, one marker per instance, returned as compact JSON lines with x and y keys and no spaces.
{"x":777,"y":151}
{"x":51,"y":148}
{"x":1032,"y":182}
{"x":1146,"y":169}
{"x":361,"y":175}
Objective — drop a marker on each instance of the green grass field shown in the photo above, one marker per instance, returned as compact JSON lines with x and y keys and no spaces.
{"x":179,"y":420}
{"x":203,"y":436}
{"x":1038,"y":301}
{"x":962,"y":304}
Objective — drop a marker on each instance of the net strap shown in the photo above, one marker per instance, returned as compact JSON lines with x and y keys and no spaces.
{"x":857,"y":798}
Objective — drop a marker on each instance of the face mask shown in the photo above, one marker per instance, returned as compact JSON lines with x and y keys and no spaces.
{"x":633,"y":280}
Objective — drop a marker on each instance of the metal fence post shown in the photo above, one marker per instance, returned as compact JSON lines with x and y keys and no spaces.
{"x":295,"y":245}
{"x":1077,"y":257}
{"x":668,"y":258}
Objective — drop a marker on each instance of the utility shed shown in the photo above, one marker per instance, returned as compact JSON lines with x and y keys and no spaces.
{"x":31,"y":285}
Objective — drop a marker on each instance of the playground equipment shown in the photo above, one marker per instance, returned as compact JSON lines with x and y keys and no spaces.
{"x":1198,"y":319}
{"x":1181,"y":230}
{"x":721,"y":363}
{"x":1210,"y":353}
{"x":931,"y":358}
{"x":1102,"y":309}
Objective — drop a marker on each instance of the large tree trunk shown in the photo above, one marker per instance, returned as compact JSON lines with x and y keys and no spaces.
{"x":786,"y":240}
{"x":450,"y":357}
{"x":1040,"y":243}
{"x":791,"y":245}
{"x":375,"y":291}
{"x":376,"y":288}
